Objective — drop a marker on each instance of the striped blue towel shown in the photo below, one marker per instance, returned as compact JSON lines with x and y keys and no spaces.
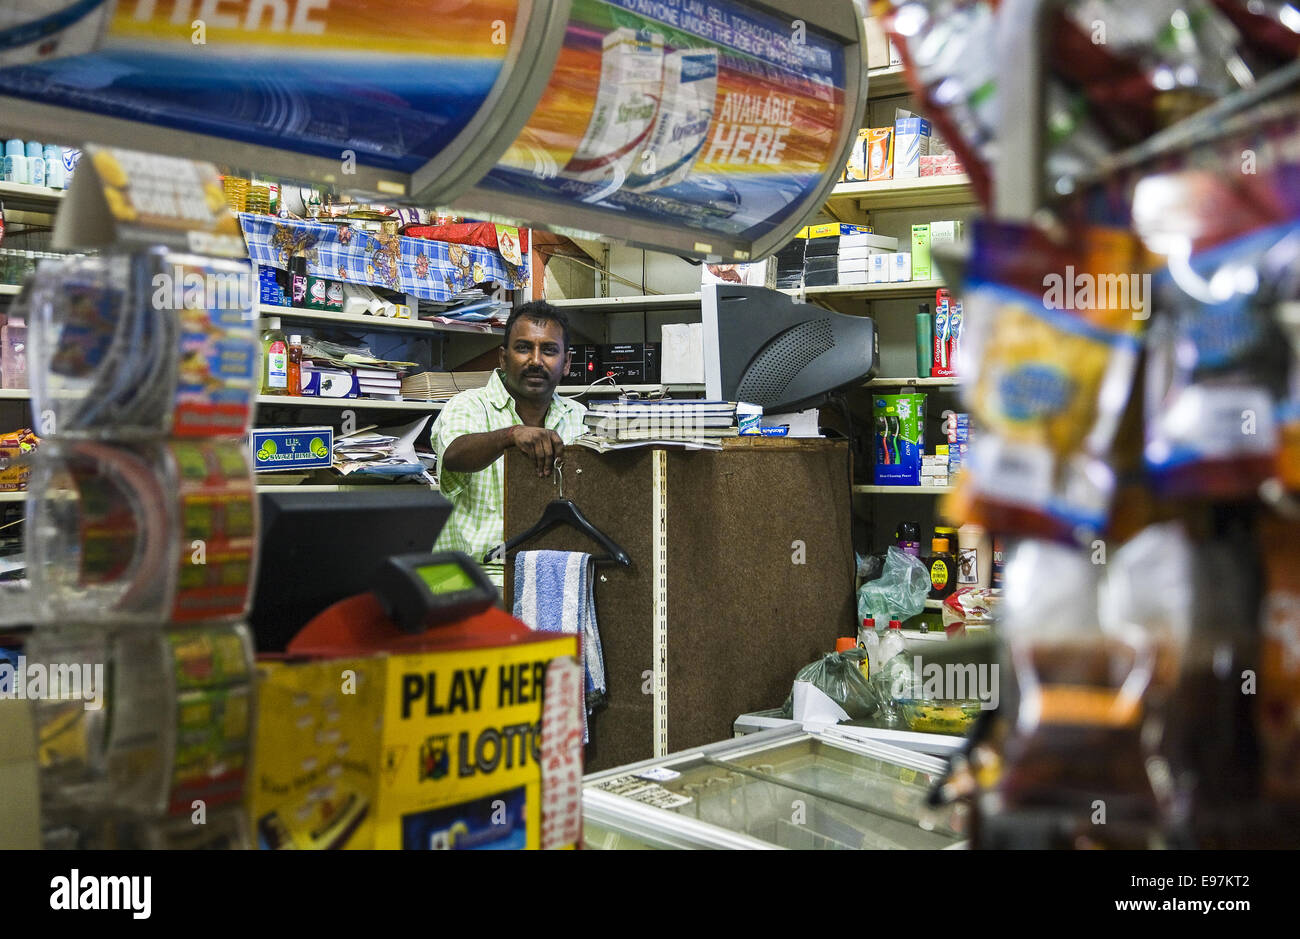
{"x":554,"y":593}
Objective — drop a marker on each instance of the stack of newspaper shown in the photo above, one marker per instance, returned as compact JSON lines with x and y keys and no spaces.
{"x":441,"y":386}
{"x":619,"y":424}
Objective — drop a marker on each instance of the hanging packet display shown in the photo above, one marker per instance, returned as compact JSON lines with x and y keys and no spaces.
{"x":1217,"y":362}
{"x":1053,"y":345}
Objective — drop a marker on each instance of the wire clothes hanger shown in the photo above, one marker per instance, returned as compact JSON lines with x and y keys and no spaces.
{"x":562,"y":511}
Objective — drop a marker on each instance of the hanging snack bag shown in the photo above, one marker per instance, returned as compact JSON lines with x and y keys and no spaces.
{"x":1053,"y":338}
{"x":1217,"y":361}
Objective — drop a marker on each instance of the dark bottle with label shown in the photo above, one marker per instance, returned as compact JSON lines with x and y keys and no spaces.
{"x":298,"y":281}
{"x":908,"y":538}
{"x":942,"y":566}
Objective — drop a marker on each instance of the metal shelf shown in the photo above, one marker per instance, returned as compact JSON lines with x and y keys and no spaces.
{"x":337,"y":487}
{"x":913,"y":288}
{"x":914,"y":382}
{"x":886,"y":82}
{"x":13,"y":496}
{"x":360,"y":404}
{"x":885,"y":194}
{"x":21,"y":196}
{"x":10,"y":290}
{"x":610,"y":304}
{"x":15,"y":394}
{"x":902,"y":490}
{"x":373,"y":322}
{"x":606,"y":388}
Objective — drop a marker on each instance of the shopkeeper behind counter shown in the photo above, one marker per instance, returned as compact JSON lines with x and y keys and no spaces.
{"x":517,"y":408}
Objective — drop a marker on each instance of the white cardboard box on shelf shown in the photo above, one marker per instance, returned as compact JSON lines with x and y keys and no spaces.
{"x":682,"y":354}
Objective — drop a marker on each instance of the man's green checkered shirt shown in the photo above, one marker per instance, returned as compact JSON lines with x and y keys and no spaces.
{"x":477,"y":521}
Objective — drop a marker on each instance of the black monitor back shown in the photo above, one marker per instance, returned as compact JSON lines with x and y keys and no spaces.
{"x":321,"y":547}
{"x":762,"y":347}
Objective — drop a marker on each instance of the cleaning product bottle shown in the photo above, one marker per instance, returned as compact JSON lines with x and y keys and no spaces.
{"x":869,"y":643}
{"x":275,"y":355}
{"x":295,"y":365}
{"x":943,"y":569}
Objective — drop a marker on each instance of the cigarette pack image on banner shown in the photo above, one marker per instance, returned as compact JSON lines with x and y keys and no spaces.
{"x":880,"y":153}
{"x":685,"y":112}
{"x":631,"y":81}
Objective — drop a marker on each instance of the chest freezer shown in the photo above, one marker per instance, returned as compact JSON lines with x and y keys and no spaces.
{"x":802,"y":787}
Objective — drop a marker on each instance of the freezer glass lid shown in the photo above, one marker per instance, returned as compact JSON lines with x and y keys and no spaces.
{"x":802,"y":793}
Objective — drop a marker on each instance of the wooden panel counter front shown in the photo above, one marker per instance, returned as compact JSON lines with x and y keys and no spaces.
{"x":757,"y":578}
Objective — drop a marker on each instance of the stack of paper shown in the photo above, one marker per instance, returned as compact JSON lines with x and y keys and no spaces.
{"x":442,"y":386}
{"x":382,"y":452}
{"x":619,"y":424}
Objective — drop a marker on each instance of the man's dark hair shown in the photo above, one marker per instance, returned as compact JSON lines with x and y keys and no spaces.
{"x":539,"y":310}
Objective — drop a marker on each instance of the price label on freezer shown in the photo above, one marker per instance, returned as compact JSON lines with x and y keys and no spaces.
{"x":659,"y":773}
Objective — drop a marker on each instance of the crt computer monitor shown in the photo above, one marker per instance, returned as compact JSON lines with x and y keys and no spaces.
{"x":762,"y":347}
{"x":321,"y":547}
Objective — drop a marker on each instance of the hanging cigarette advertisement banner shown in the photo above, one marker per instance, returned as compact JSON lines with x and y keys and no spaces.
{"x":392,"y":82}
{"x":699,"y":113}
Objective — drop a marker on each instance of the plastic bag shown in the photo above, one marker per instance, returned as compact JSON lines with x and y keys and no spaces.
{"x":900,"y":590}
{"x":831,"y":689}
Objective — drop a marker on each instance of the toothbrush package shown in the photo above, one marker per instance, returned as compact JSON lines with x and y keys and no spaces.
{"x":899,"y":434}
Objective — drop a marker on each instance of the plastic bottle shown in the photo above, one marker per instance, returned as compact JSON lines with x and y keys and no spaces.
{"x":892,"y":657}
{"x":849,"y":644}
{"x":35,"y":163}
{"x":869,"y":643}
{"x":295,"y":365}
{"x":908,"y":538}
{"x":943,"y":569}
{"x":56,"y":176}
{"x":275,"y":359}
{"x":14,"y":166}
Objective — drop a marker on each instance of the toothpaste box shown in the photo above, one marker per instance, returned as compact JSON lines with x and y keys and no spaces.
{"x":911,"y":142}
{"x":900,"y":268}
{"x":878,"y":272}
{"x":899,"y":435}
{"x":921,"y":269}
{"x":880,"y":153}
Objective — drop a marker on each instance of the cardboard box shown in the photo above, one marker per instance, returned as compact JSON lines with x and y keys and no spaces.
{"x":858,"y":240}
{"x":13,"y":354}
{"x":855,"y":170}
{"x":878,"y":272}
{"x":899,"y":438}
{"x":911,"y":142}
{"x":276,"y":449}
{"x":944,"y":233}
{"x":877,"y":43}
{"x":422,"y":750}
{"x":14,"y":470}
{"x":880,"y":153}
{"x":900,"y":268}
{"x":329,"y":383}
{"x":921,"y":269}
